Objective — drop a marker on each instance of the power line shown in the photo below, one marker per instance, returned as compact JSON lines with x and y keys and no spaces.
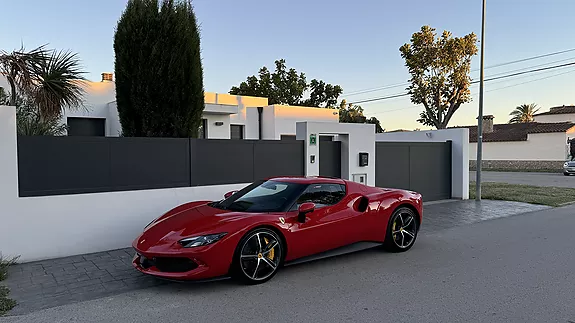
{"x":385,"y":87}
{"x":473,"y":82}
{"x":527,"y":72}
{"x":474,"y":94}
{"x":534,"y":66}
{"x":531,"y":81}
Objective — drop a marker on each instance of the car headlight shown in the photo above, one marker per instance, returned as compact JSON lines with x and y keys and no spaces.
{"x":201,"y":240}
{"x":566,"y":164}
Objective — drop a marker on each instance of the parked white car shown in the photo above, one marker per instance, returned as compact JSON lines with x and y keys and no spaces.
{"x":569,"y":168}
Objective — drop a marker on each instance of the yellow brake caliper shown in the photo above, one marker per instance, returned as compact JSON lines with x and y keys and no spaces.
{"x":393,"y":230}
{"x":271,"y":253}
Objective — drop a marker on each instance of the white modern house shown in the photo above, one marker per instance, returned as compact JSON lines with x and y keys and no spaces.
{"x":225,"y":116}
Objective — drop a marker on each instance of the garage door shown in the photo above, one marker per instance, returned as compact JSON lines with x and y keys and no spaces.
{"x":417,"y":166}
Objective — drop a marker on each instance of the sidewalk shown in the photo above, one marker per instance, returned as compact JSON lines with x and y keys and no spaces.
{"x":50,"y":283}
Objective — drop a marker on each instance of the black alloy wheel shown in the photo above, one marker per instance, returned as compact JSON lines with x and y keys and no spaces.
{"x":401,"y":231}
{"x":258,"y":256}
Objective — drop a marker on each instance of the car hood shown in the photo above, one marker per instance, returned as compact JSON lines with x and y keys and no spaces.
{"x":164,"y":234}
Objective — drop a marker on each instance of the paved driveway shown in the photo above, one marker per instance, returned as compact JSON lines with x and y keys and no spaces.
{"x":513,"y":269}
{"x":536,"y":179}
{"x":56,"y":282}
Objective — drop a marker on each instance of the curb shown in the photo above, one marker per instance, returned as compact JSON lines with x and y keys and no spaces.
{"x":566,"y":204}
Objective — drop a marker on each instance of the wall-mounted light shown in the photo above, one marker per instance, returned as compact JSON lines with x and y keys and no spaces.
{"x":219,"y":123}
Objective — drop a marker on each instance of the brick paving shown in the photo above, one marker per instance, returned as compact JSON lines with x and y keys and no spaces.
{"x":55,"y":282}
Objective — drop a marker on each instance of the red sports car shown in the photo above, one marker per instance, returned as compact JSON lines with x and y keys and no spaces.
{"x":252,"y":232}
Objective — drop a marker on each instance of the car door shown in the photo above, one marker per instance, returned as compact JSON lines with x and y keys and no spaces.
{"x":325,"y":227}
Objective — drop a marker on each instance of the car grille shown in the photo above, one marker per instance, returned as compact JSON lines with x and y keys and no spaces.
{"x":168,"y":264}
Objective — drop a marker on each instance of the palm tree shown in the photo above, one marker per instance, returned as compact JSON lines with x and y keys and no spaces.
{"x":52,"y":80}
{"x":59,"y":84}
{"x":523,"y":113}
{"x":18,"y":68}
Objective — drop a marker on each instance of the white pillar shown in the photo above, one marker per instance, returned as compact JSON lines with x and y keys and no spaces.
{"x":355,"y":138}
{"x":8,"y":157}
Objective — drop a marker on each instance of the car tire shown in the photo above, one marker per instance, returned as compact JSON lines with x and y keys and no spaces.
{"x":258,"y":256}
{"x":401,"y":231}
{"x":566,"y":174}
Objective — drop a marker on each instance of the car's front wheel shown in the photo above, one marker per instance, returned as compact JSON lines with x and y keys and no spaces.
{"x":258,"y":256}
{"x":401,"y":231}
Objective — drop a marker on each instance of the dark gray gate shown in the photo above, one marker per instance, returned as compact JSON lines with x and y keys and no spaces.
{"x":50,"y":165}
{"x":330,"y":158}
{"x":422,"y":167}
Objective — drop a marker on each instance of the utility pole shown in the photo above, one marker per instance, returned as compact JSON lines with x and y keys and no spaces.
{"x":480,"y":116}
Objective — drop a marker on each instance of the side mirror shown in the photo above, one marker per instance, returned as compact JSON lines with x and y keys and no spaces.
{"x":228,"y":194}
{"x":304,"y":209}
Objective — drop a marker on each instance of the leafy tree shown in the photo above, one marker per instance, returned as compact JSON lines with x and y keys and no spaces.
{"x":159,"y":75}
{"x":523,"y":113}
{"x":439,"y":71}
{"x":285,"y":86}
{"x":49,"y":79}
{"x":4,"y":100}
{"x":350,"y":113}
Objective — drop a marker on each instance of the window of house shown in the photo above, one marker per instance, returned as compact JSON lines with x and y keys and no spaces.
{"x":236,"y":131}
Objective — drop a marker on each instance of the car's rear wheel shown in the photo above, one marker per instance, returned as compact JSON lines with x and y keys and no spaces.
{"x":401,"y":231}
{"x":258,"y":256}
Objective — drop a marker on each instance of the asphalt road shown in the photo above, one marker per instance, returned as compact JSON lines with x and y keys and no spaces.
{"x":536,"y":179}
{"x":515,"y":269}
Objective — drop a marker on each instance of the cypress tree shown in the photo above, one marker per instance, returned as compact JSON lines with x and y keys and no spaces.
{"x":159,"y":75}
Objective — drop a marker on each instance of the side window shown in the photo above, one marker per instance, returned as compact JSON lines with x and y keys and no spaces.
{"x":322,"y":195}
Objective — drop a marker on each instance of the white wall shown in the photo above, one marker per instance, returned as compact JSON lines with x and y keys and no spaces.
{"x":355,"y":138}
{"x":96,"y":99}
{"x":113,"y":125}
{"x":540,"y":146}
{"x":460,"y":150}
{"x":553,"y":118}
{"x":54,"y":226}
{"x":251,"y":123}
{"x":286,"y":117}
{"x":217,"y":132}
{"x":268,"y":123}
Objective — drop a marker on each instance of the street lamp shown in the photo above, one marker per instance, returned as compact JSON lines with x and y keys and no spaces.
{"x":480,"y":117}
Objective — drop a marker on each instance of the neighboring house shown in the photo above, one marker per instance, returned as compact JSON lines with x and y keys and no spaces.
{"x":564,"y":113}
{"x":225,"y":116}
{"x":533,"y":145}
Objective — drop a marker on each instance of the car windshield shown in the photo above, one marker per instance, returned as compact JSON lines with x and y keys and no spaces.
{"x":263,"y":196}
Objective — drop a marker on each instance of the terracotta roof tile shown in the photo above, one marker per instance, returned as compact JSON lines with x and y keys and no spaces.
{"x":566,"y":109}
{"x":518,"y":131}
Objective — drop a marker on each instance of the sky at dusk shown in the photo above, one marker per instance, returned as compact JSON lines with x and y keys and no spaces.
{"x":351,"y":43}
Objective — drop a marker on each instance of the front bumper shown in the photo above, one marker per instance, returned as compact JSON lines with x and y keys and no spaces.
{"x":569,"y":170}
{"x":199,"y":264}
